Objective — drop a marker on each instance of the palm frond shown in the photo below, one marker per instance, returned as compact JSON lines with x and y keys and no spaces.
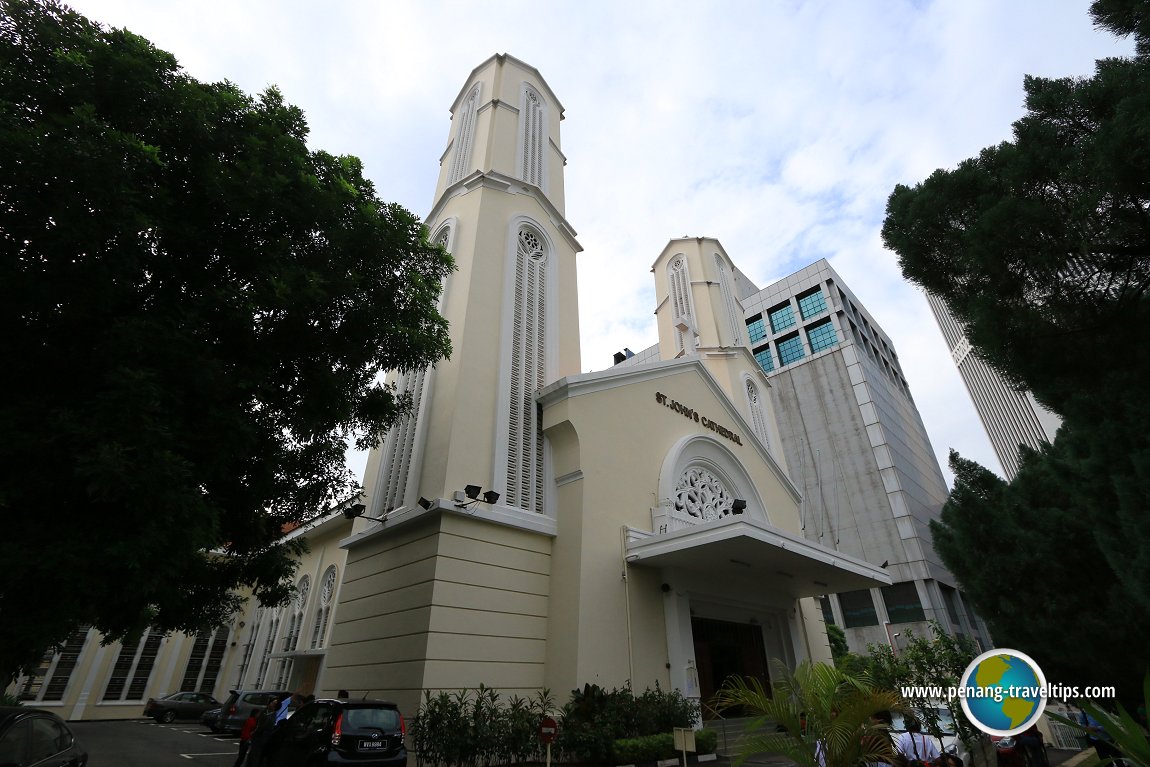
{"x":811,"y":705}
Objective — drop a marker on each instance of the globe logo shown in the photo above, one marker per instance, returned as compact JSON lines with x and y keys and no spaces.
{"x":1003,"y":692}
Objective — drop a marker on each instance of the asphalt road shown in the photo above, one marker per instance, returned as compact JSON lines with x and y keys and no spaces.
{"x":144,"y":743}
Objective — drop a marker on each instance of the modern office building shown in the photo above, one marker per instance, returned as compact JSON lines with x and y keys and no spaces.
{"x":858,"y":450}
{"x":1010,"y":417}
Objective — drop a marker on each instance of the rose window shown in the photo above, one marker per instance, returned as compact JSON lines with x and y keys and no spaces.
{"x":702,"y":495}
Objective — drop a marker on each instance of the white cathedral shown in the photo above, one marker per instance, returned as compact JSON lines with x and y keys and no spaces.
{"x":646,"y":527}
{"x":531,"y":526}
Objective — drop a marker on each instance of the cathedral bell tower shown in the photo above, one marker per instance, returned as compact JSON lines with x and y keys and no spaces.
{"x":512,"y":303}
{"x":699,"y":315}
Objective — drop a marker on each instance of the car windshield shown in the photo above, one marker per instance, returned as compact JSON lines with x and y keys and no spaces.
{"x":945,"y":722}
{"x":378,"y":718}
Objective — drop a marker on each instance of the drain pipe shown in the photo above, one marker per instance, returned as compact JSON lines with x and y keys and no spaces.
{"x":627,"y":602}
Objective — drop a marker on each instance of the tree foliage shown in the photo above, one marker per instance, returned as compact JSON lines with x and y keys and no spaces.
{"x":1050,"y":591}
{"x":194,"y":312}
{"x":1040,"y":247}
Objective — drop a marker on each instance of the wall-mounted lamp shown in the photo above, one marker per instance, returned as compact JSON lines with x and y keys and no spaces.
{"x":472,"y":492}
{"x":356,"y":510}
{"x":739,"y":506}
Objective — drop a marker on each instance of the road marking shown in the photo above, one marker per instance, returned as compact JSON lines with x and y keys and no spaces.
{"x":214,"y":753}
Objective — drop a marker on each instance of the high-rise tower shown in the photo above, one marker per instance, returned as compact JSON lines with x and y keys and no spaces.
{"x":1010,"y":417}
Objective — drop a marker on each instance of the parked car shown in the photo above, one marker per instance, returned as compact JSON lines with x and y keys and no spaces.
{"x":179,"y":705}
{"x":239,"y":704}
{"x":211,"y":719}
{"x":31,"y":736}
{"x":368,"y":733}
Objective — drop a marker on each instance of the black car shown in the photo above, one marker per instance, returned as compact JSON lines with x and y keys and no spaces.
{"x":30,"y":737}
{"x":179,"y":705}
{"x":367,"y":733}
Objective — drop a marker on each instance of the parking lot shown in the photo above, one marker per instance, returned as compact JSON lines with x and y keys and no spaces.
{"x":144,"y":743}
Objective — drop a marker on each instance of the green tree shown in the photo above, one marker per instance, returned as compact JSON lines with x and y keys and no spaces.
{"x":194,"y":312}
{"x":1065,"y":606}
{"x":816,"y":716}
{"x":1040,"y":247}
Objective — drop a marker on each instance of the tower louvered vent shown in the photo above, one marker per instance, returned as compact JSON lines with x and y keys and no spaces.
{"x":465,"y":138}
{"x":528,"y":374}
{"x":681,"y":314}
{"x":534,"y":130}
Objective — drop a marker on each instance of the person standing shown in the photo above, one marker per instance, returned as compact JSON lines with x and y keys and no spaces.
{"x":915,"y":746}
{"x":246,"y":736}
{"x":265,"y":723}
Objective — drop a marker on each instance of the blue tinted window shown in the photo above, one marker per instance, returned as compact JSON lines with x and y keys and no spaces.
{"x":757,"y":330}
{"x":782,"y":317}
{"x":858,"y":609}
{"x":822,"y":335}
{"x":790,"y":349}
{"x":902,"y":603}
{"x":812,"y":303}
{"x":763,"y":357}
{"x":828,"y":614}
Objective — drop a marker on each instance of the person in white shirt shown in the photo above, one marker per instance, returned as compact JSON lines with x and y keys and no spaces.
{"x":914,"y":745}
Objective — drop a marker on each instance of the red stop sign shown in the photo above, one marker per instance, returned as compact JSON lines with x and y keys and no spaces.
{"x":548,"y":729}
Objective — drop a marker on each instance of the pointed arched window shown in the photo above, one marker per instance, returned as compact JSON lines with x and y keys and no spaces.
{"x":758,"y":416}
{"x":682,"y":314}
{"x":528,"y":372}
{"x":324,"y":608}
{"x":465,"y":137}
{"x":735,"y":322}
{"x":532,"y":137}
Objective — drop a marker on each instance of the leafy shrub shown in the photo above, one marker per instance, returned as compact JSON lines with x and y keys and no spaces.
{"x":648,"y":748}
{"x":660,"y":712}
{"x":594,"y":719}
{"x":653,"y":748}
{"x":475,"y":729}
{"x":706,"y":741}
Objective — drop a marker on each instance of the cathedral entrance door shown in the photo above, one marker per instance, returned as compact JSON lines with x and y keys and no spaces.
{"x":724,"y":649}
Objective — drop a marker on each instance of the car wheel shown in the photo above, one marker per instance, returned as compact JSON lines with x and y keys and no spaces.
{"x":167,"y":717}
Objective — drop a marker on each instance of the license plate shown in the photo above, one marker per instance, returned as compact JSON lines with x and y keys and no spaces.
{"x":371,"y":745}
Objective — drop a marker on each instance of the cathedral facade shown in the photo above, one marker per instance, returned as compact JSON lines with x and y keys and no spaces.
{"x":534,"y":526}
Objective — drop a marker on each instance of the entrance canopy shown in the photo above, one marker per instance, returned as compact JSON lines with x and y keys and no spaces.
{"x":741,"y":547}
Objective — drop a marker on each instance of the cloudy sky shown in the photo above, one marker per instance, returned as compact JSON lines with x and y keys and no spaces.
{"x":779,"y":126}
